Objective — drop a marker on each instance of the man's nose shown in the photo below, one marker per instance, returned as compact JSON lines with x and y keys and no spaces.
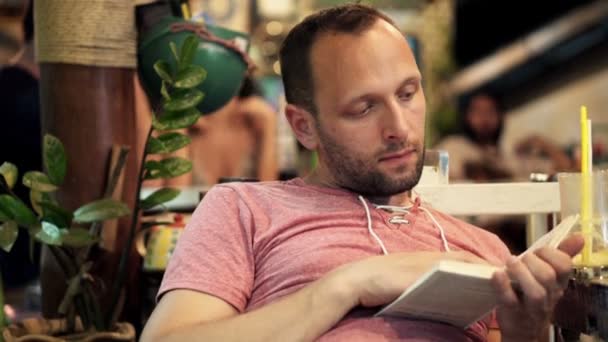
{"x":395,"y":122}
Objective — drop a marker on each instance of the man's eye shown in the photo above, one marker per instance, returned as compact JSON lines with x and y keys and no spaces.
{"x":363,"y":109}
{"x":368,"y":108}
{"x":406,"y":95}
{"x":407,"y":92}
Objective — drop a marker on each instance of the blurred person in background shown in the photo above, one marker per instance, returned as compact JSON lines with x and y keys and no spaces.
{"x":475,"y":155}
{"x":238,"y":140}
{"x":20,"y":141}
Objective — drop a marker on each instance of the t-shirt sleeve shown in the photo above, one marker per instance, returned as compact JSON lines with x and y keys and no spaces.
{"x":214,"y":253}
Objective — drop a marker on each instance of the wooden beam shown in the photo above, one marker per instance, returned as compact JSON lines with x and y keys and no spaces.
{"x":492,"y":198}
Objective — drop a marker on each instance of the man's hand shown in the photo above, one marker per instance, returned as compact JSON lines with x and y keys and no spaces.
{"x":379,"y":280}
{"x":540,"y":279}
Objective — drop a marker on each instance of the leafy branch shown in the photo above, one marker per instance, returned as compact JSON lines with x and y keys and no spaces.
{"x":176,"y":111}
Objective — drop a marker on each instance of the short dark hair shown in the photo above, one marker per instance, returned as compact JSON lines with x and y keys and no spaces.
{"x":296,"y":69}
{"x":465,"y":106}
{"x":249,"y":88}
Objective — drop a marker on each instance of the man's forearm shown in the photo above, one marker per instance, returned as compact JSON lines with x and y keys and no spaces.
{"x":302,"y":316}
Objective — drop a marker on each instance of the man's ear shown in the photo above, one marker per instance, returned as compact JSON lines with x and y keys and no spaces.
{"x":302,"y":124}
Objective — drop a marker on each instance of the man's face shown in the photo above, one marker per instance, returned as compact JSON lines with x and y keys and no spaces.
{"x":483,"y":116}
{"x":371,"y":111}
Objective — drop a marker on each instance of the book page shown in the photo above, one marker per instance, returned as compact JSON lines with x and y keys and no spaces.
{"x":466,"y":299}
{"x":555,"y":236}
{"x":460,"y":293}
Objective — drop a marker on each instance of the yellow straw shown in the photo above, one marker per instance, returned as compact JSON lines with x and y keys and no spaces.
{"x":185,"y":11}
{"x":586,"y":224}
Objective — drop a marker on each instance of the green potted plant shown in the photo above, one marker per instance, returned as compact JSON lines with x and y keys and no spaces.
{"x":71,"y":236}
{"x":64,"y":232}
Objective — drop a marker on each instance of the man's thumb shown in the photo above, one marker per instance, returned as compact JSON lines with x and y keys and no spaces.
{"x":572,"y":245}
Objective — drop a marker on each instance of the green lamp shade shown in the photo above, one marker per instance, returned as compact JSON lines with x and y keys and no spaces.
{"x":225,"y":68}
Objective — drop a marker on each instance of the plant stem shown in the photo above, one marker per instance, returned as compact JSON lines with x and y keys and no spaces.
{"x":86,"y":313}
{"x":71,"y":318}
{"x":93,"y":306}
{"x":115,"y":174}
{"x":126,"y":251}
{"x":69,"y":271}
{"x":116,"y":171}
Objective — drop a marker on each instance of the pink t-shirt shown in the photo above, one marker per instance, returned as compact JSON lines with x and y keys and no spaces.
{"x":253,"y":243}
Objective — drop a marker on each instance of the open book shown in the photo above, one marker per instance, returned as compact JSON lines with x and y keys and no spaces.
{"x":460,"y":293}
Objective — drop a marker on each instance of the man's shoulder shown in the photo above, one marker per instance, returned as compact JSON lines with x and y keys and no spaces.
{"x":256,"y":189}
{"x":491,"y":242}
{"x":464,"y":225}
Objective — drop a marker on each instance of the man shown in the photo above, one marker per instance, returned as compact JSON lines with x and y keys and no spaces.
{"x":302,"y":260}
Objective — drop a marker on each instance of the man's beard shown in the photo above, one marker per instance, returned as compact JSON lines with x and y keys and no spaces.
{"x":361,"y":176}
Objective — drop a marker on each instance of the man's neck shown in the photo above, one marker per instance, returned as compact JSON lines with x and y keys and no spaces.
{"x":400,"y":199}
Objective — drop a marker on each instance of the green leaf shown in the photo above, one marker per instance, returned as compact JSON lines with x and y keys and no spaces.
{"x":53,"y":213}
{"x":190,"y":77}
{"x":10,"y":173}
{"x":4,"y":215}
{"x":174,"y":51}
{"x":167,"y":143}
{"x":35,"y":199}
{"x":167,"y":168}
{"x":159,"y":197}
{"x":186,"y":54}
{"x":8,"y":235}
{"x":77,"y":237}
{"x":154,"y":145}
{"x":17,"y":211}
{"x":177,"y":166}
{"x":49,"y":234}
{"x":184,"y":99}
{"x":154,"y":170}
{"x":163,"y":70}
{"x":38,"y":181}
{"x":176,"y":120}
{"x":101,"y":210}
{"x":55,"y":160}
{"x":164,"y":92}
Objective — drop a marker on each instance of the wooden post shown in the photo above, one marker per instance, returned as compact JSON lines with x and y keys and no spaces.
{"x":87,"y":101}
{"x":89,"y":109}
